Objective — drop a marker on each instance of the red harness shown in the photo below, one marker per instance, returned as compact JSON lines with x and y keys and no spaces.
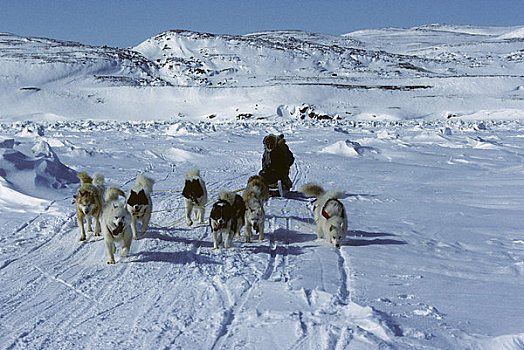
{"x":324,"y":212}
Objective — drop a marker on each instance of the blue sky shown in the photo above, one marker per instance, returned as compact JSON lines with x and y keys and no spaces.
{"x":125,"y":23}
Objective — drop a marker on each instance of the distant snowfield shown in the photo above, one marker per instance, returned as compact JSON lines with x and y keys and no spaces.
{"x":421,"y":128}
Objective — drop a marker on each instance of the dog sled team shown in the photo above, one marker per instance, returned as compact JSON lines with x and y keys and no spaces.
{"x":119,"y":220}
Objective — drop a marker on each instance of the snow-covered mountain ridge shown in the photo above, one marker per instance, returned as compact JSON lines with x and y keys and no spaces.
{"x":293,"y":56}
{"x":440,"y":65}
{"x":48,"y":60}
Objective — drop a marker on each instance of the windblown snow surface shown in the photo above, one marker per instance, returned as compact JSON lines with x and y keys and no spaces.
{"x":422,"y":129}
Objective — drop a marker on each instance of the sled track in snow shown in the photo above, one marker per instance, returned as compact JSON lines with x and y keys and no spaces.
{"x":278,"y":252}
{"x":344,"y":296}
{"x":270,"y":267}
{"x":228,"y":314}
{"x":277,"y":261}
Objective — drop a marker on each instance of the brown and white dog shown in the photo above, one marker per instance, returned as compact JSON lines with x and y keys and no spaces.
{"x":195,"y":196}
{"x":88,"y":199}
{"x":329,"y":213}
{"x":139,"y":204}
{"x":255,"y":195}
{"x":116,"y":222}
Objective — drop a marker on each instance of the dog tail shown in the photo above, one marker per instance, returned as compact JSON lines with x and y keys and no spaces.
{"x":84,"y":178}
{"x":335,"y":194}
{"x":254,"y":178}
{"x":312,"y":189}
{"x":112,"y":194}
{"x":192,"y":174}
{"x":146,"y":182}
{"x":227,"y":196}
{"x":98,"y":179}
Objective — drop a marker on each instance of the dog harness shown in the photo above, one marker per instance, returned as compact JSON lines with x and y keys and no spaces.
{"x":324,"y":212}
{"x":138,"y":214}
{"x":116,"y":231}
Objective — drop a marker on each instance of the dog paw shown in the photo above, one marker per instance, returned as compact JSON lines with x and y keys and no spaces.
{"x":82,"y":238}
{"x":135,"y":237}
{"x":189,"y":223}
{"x":97,"y":234}
{"x":110,"y":262}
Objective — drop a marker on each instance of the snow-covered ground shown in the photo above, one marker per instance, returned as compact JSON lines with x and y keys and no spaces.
{"x":424,"y":135}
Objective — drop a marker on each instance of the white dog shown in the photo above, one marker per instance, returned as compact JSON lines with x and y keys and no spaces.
{"x":329,"y":213}
{"x":255,"y":194}
{"x":139,"y":204}
{"x":115,"y":224}
{"x":195,"y":196}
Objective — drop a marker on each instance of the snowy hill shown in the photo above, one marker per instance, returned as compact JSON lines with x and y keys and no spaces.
{"x":39,"y":61}
{"x":293,"y":57}
{"x":423,"y":72}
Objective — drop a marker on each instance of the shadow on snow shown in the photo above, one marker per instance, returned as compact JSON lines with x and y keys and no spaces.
{"x":185,"y":257}
{"x":179,"y":239}
{"x":353,"y":241}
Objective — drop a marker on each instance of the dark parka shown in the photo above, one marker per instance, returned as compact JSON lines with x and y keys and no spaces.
{"x":276,"y":163}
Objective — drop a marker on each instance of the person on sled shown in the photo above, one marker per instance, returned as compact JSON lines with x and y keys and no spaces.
{"x":276,"y":162}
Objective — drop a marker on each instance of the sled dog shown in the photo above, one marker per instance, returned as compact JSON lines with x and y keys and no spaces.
{"x":139,"y":204}
{"x":195,"y":196}
{"x":221,"y":222}
{"x":227,"y":217}
{"x":88,"y":200}
{"x":239,"y":210}
{"x":115,"y":224}
{"x":255,"y":194}
{"x":329,"y":213}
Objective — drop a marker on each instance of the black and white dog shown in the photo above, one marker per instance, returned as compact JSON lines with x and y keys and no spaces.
{"x":195,"y":196}
{"x":139,"y":203}
{"x":227,"y":217}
